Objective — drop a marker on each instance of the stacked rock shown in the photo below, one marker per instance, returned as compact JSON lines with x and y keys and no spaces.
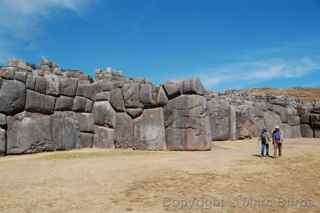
{"x":45,"y":108}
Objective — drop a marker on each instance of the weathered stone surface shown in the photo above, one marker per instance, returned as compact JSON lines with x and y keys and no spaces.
{"x":104,"y":137}
{"x":68,"y":86}
{"x":281,"y":111}
{"x":3,"y":120}
{"x":149,"y":131}
{"x":124,"y":131}
{"x":290,"y":131}
{"x":317,"y":133}
{"x":173,"y":88}
{"x":219,"y":115}
{"x":105,"y":85}
{"x":146,"y":95}
{"x":86,"y":122}
{"x":193,"y":86}
{"x":117,"y":100}
{"x":103,"y":96}
{"x":187,"y":123}
{"x":315,"y":120}
{"x":271,"y":120}
{"x":293,"y":120}
{"x":40,"y":84}
{"x":2,"y":141}
{"x":36,"y":102}
{"x":12,"y":97}
{"x":131,"y":97}
{"x":87,"y":90}
{"x":159,"y":97}
{"x":306,"y":131}
{"x":53,"y":85}
{"x":81,"y":104}
{"x":134,"y":112}
{"x":104,"y":114}
{"x":7,"y":73}
{"x":86,"y":140}
{"x":29,"y":133}
{"x":21,"y":76}
{"x":305,"y":119}
{"x":64,"y":103}
{"x":65,"y":130}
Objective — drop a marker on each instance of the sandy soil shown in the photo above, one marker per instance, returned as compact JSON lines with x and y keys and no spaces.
{"x":230,"y":178}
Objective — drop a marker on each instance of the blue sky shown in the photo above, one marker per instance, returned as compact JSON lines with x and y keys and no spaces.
{"x":228,"y":44}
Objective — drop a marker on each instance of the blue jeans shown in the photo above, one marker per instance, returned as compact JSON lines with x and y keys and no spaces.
{"x":264,"y":146}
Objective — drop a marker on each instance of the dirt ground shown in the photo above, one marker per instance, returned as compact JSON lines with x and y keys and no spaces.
{"x":230,"y":178}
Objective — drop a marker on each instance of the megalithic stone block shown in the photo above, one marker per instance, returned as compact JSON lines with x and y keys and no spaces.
{"x":149,"y":131}
{"x":12,"y":96}
{"x":187,"y":123}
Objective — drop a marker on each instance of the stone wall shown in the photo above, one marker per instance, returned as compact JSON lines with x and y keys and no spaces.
{"x":239,"y":115}
{"x":46,"y":108}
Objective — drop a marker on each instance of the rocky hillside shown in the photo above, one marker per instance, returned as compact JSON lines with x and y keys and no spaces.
{"x":46,"y":108}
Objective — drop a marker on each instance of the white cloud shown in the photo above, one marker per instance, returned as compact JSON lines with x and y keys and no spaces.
{"x":260,"y":70}
{"x":22,"y":20}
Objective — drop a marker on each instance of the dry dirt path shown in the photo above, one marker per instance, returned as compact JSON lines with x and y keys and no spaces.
{"x":230,"y":178}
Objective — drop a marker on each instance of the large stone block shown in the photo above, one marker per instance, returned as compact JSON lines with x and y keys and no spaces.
{"x":86,"y":140}
{"x":103,"y":96}
{"x":21,"y":76}
{"x":68,"y":86}
{"x":173,"y":88}
{"x":2,"y":141}
{"x":105,"y":85}
{"x":104,"y":114}
{"x":86,"y":122}
{"x":187,"y":123}
{"x":116,"y":100}
{"x":53,"y":85}
{"x":293,"y":120}
{"x":315,"y":120}
{"x":290,"y":131}
{"x":65,"y":130}
{"x":87,"y":90}
{"x":64,"y":103}
{"x":146,"y":95}
{"x":12,"y":97}
{"x":124,"y":131}
{"x":159,"y":96}
{"x":282,"y":111}
{"x":29,"y":133}
{"x":104,"y":137}
{"x":193,"y":86}
{"x":219,"y":115}
{"x":37,"y":102}
{"x":37,"y":83}
{"x":271,"y":120}
{"x":306,"y":131}
{"x":149,"y":132}
{"x":305,"y":118}
{"x":131,"y":95}
{"x":82,"y":104}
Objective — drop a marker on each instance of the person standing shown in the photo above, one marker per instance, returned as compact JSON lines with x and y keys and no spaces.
{"x":277,"y":142}
{"x":264,"y":138}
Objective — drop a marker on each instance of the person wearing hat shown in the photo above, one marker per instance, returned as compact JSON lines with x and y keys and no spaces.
{"x":264,"y":138}
{"x":277,"y":142}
